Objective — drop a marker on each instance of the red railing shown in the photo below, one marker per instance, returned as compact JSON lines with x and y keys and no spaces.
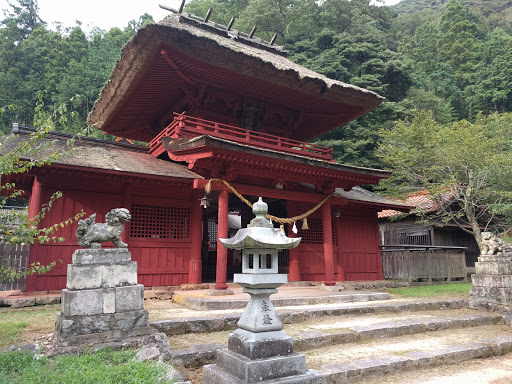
{"x":188,"y":127}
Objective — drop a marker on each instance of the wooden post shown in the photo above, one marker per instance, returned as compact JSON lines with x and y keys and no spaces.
{"x":328,"y":254}
{"x":222,"y":232}
{"x":34,"y":204}
{"x":380,"y":272}
{"x":339,"y":243}
{"x":293,"y":263}
{"x":196,"y":223}
{"x":409,"y":264}
{"x":293,"y":254}
{"x":126,"y":203}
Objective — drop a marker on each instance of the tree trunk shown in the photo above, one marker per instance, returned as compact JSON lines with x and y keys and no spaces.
{"x":469,"y":209}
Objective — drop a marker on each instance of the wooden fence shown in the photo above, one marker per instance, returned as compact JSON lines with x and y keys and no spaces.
{"x":17,"y":257}
{"x":413,"y":262}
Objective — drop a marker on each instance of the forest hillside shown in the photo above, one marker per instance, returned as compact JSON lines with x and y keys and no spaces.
{"x":450,"y":57}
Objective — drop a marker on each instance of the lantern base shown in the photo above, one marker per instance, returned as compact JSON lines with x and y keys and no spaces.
{"x":260,"y":345}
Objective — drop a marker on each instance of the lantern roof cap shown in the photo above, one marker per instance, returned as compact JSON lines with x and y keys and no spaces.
{"x":260,"y":233}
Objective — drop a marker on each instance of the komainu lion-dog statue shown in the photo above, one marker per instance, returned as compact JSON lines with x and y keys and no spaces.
{"x":91,"y":234}
{"x":491,"y":244}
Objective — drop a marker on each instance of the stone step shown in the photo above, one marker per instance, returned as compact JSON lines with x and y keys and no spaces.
{"x":364,"y":369}
{"x":201,"y":354}
{"x":375,"y":367}
{"x":316,"y":339}
{"x":229,"y":321}
{"x":214,"y":303}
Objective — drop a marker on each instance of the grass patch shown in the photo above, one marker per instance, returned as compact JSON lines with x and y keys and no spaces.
{"x":10,"y":332}
{"x":103,"y":367}
{"x":19,"y":325}
{"x":433,"y":290}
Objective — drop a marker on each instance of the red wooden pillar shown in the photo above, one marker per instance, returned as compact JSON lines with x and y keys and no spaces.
{"x":126,"y":202}
{"x":196,"y":224}
{"x":34,"y":204}
{"x":293,"y":264}
{"x":380,"y":273}
{"x":328,"y":253}
{"x":339,"y":243}
{"x":222,"y":233}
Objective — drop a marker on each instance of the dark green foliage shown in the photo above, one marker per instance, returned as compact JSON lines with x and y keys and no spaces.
{"x":447,"y":56}
{"x":70,"y":65}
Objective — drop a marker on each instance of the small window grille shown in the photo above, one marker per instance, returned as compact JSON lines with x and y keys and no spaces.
{"x":157,"y":222}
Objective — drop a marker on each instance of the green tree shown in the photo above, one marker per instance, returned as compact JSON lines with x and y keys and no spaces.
{"x":473,"y":161}
{"x":492,"y":89}
{"x":21,"y":158}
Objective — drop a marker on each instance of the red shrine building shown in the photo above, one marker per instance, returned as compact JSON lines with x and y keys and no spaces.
{"x":215,"y":103}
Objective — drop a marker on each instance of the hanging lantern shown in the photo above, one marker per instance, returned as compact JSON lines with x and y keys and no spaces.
{"x":204,"y":202}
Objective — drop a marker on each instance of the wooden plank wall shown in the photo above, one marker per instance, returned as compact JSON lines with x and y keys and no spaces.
{"x":160,"y":261}
{"x":430,"y":264}
{"x":17,"y":257}
{"x":359,"y":252}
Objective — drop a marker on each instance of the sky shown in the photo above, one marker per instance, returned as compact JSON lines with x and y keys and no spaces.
{"x":105,"y":14}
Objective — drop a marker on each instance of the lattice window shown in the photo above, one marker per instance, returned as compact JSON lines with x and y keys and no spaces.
{"x":315,"y":233}
{"x":158,"y":222}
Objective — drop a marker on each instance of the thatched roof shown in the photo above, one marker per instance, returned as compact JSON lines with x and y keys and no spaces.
{"x":143,"y":87}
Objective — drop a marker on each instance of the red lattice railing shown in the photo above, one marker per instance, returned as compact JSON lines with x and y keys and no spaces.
{"x":188,"y":127}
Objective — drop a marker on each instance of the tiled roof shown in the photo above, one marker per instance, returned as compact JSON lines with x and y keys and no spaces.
{"x":423,"y":201}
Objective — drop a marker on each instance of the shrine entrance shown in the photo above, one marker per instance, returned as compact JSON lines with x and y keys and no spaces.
{"x":239,"y":215}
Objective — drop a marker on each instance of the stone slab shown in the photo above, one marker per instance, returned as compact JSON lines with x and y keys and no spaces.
{"x":101,"y":256}
{"x":214,"y":375}
{"x":211,"y":303}
{"x":91,"y":276}
{"x":100,"y":329}
{"x":197,"y":355}
{"x":129,"y":298}
{"x":20,"y":302}
{"x":82,"y":303}
{"x":47,"y":300}
{"x":219,"y":292}
{"x":491,"y":294}
{"x":260,"y":345}
{"x":499,"y":281}
{"x":228,"y":321}
{"x":252,"y":371}
{"x":493,"y":268}
{"x":68,"y":326}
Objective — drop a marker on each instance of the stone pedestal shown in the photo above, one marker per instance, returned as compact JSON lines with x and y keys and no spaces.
{"x":492,"y":284}
{"x":102,"y":301}
{"x":259,"y":351}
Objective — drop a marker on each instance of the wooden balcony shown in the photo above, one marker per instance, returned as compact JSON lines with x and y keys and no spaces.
{"x":185,"y":126}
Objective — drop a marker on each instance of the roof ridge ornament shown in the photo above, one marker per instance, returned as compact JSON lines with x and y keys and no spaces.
{"x":226,"y":31}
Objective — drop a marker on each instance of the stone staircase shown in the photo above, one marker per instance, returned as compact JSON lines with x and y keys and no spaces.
{"x":351,"y":342}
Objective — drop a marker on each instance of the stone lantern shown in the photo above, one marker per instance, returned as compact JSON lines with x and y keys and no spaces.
{"x":259,"y":350}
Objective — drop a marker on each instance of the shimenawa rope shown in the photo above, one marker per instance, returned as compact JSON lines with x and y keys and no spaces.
{"x":280,"y":220}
